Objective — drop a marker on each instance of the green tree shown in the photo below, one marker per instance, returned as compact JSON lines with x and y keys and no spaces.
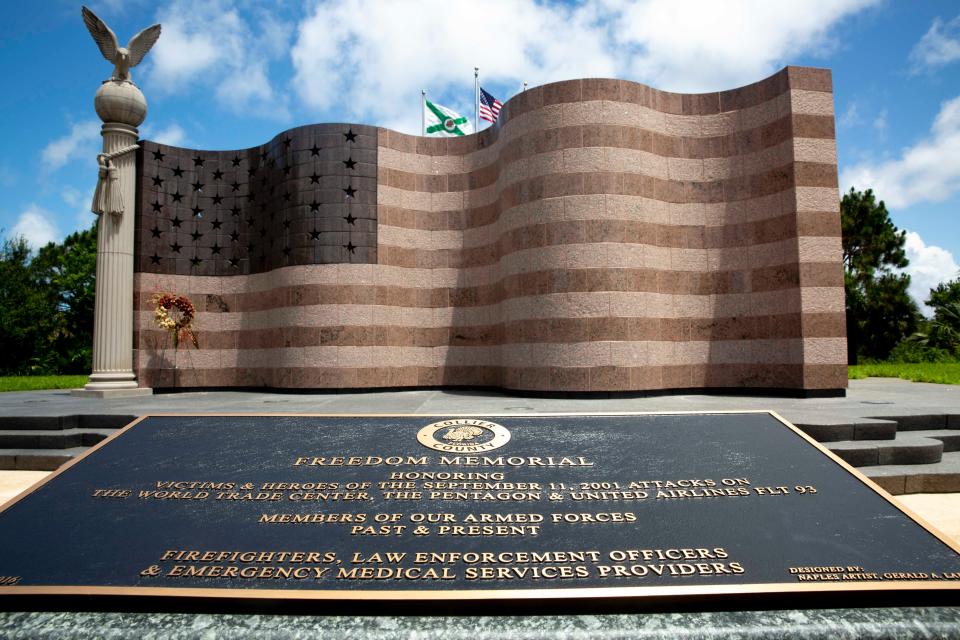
{"x":880,"y":312}
{"x":944,"y":293}
{"x":66,"y":273}
{"x":942,"y":331}
{"x":26,"y":312}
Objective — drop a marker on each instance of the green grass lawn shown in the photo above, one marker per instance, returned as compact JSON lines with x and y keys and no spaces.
{"x":36,"y":383}
{"x":941,"y":372}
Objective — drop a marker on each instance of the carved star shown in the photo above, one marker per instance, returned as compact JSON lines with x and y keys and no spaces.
{"x":195,"y":261}
{"x":157,"y":207}
{"x":178,"y":172}
{"x":215,"y":249}
{"x":251,"y":247}
{"x":176,"y":221}
{"x":314,"y":178}
{"x":315,"y":234}
{"x":236,"y":161}
{"x":175,"y":247}
{"x":263,"y":155}
{"x":263,"y":232}
{"x":217,"y":199}
{"x":350,"y":246}
{"x":286,"y":251}
{"x":234,"y":262}
{"x":158,"y":155}
{"x":197,"y":186}
{"x":235,"y":211}
{"x":350,"y":135}
{"x":157,"y":181}
{"x":218,"y":175}
{"x":216,"y":224}
{"x":196,"y":235}
{"x":350,"y":191}
{"x":197,"y":212}
{"x":235,"y":185}
{"x":286,"y":224}
{"x":177,"y":197}
{"x":198,"y":161}
{"x":251,"y":196}
{"x":314,"y":206}
{"x":155,"y":232}
{"x":234,"y":236}
{"x":349,"y":218}
{"x":252,"y":171}
{"x":154,"y":259}
{"x":286,"y":196}
{"x":350,"y":163}
{"x":314,"y":150}
{"x":287,"y":169}
{"x":287,"y":142}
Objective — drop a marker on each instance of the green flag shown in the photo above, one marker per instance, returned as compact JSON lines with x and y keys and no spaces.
{"x":444,"y":122}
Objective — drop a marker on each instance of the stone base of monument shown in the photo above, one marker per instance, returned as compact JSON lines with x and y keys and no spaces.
{"x":111,"y":393}
{"x":111,"y":385}
{"x":903,"y":623}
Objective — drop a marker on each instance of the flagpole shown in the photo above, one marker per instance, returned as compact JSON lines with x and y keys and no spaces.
{"x":423,"y":112}
{"x":476,"y":99}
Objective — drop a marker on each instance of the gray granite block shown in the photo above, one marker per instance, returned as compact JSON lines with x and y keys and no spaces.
{"x":836,"y":624}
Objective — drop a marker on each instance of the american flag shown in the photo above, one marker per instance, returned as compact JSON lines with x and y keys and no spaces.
{"x":489,"y":106}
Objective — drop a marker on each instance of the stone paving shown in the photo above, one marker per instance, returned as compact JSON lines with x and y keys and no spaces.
{"x":869,"y":398}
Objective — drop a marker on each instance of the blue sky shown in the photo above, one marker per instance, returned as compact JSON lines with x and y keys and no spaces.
{"x":232,"y":74}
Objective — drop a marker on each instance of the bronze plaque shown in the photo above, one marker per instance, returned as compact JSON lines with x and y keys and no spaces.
{"x":461,"y":508}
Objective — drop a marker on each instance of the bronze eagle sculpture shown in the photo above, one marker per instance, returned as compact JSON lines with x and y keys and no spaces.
{"x":123,"y":58}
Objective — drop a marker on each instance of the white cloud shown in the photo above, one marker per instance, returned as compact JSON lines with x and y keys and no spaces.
{"x":928,"y":171}
{"x":880,"y":123}
{"x":36,"y":226}
{"x":851,"y":116}
{"x":211,"y":44}
{"x":938,"y":47}
{"x":81,"y":142}
{"x":375,"y":56}
{"x":80,"y":203}
{"x":172,"y":135}
{"x":709,"y":45}
{"x":929,"y":266}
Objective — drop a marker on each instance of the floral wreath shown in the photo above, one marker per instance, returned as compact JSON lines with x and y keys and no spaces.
{"x":177,"y":322}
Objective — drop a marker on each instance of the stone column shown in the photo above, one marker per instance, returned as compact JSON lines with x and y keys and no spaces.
{"x":122,"y":107}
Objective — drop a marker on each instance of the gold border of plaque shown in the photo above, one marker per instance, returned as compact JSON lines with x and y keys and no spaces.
{"x":591,"y":593}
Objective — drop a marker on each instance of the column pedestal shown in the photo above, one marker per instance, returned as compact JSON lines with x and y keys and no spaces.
{"x":113,"y":316}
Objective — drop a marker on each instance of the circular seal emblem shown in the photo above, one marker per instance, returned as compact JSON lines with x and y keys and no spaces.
{"x":463,"y":435}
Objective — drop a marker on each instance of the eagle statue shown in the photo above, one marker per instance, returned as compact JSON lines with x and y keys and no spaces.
{"x":123,"y":58}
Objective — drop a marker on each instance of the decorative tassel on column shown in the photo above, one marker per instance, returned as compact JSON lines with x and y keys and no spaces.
{"x":107,"y":197}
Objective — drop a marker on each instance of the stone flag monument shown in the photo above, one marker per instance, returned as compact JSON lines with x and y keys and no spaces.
{"x":602,"y":236}
{"x":122,"y":107}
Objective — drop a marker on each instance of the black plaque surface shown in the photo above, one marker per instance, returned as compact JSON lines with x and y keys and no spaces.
{"x":463,"y":508}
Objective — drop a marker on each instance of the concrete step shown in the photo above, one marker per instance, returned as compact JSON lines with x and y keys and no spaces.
{"x":51,"y":423}
{"x":928,"y":422}
{"x":37,"y":459}
{"x":938,"y":477}
{"x":905,"y":449}
{"x":949,"y":437}
{"x":51,"y":438}
{"x":878,"y":429}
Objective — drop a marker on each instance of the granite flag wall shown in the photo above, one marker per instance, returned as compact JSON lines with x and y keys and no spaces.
{"x":603,"y":236}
